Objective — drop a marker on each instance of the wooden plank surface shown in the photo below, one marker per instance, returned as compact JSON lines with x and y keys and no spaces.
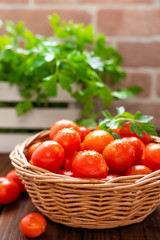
{"x":36,"y":118}
{"x":11,"y":215}
{"x":11,"y":94}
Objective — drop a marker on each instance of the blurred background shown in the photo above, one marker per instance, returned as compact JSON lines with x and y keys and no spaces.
{"x":132,"y":26}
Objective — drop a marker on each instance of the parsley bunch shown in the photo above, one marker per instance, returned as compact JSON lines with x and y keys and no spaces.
{"x":139,"y":123}
{"x":73,"y":55}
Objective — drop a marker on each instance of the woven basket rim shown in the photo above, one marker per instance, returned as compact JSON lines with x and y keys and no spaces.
{"x":39,"y":173}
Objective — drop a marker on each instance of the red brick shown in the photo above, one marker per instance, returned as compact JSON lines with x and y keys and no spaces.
{"x":140,"y":54}
{"x":53,"y":1}
{"x":142,"y":80}
{"x":129,"y":22}
{"x":158,"y":84}
{"x":15,"y":1}
{"x":37,"y":20}
{"x":116,"y":1}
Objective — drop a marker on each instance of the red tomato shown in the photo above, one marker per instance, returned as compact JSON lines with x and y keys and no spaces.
{"x":33,"y":225}
{"x":151,"y":156}
{"x":31,"y":149}
{"x":89,"y":164}
{"x":119,"y":156}
{"x":68,"y":161}
{"x":9,"y":190}
{"x":60,"y":124}
{"x":126,"y":132}
{"x":138,"y":147}
{"x":138,"y":170}
{"x":65,"y":172}
{"x":112,"y":176}
{"x":49,"y":155}
{"x":69,"y":140}
{"x":13,"y":175}
{"x":83,"y":132}
{"x":97,"y":140}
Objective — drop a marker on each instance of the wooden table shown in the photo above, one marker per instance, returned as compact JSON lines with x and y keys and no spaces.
{"x":11,"y":215}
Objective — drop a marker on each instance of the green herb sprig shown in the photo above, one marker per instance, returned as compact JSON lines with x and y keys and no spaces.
{"x":139,"y":123}
{"x":73,"y":55}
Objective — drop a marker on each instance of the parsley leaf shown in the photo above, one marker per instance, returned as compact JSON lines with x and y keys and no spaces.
{"x":139,"y":123}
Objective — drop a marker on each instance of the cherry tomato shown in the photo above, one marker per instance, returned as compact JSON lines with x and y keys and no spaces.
{"x":126,"y":132}
{"x":119,"y":156}
{"x":83,"y":132}
{"x":49,"y":155}
{"x":69,"y":140}
{"x":31,"y":149}
{"x":112,"y":176}
{"x":68,"y":161}
{"x":9,"y":190}
{"x":151,"y":156}
{"x":97,"y":140}
{"x":65,"y":172}
{"x":138,"y":170}
{"x":13,"y":175}
{"x":60,"y":124}
{"x":33,"y":225}
{"x":138,"y":147}
{"x":89,"y":164}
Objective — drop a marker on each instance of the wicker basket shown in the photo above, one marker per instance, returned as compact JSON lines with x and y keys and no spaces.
{"x":87,"y":203}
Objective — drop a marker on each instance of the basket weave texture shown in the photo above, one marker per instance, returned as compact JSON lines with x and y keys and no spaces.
{"x":87,"y":203}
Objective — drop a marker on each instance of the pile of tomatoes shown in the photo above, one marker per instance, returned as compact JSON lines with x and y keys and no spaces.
{"x":79,"y":152}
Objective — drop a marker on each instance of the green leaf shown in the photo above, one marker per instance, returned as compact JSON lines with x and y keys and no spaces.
{"x":89,"y":122}
{"x":50,"y":84}
{"x":23,"y":107}
{"x":65,"y":82}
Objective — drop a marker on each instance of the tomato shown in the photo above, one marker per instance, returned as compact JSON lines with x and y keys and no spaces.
{"x":13,"y":175}
{"x":68,"y":161}
{"x":60,"y":124}
{"x":126,"y":132}
{"x":138,"y":170}
{"x":69,"y":140}
{"x":97,"y":140}
{"x":151,"y":156}
{"x":9,"y":190}
{"x":65,"y":172}
{"x":119,"y":156}
{"x":89,"y":164}
{"x":31,"y":149}
{"x":112,"y":176}
{"x":49,"y":155}
{"x":33,"y":225}
{"x":138,"y":147}
{"x":83,"y":132}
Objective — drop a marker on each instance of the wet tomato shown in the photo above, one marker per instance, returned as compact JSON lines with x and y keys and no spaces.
{"x":97,"y":140}
{"x":13,"y":175}
{"x":151,"y":156}
{"x":119,"y":156}
{"x":60,"y":124}
{"x":89,"y":164}
{"x":49,"y":155}
{"x":126,"y":132}
{"x":138,"y":147}
{"x":9,"y":190}
{"x":68,"y":161}
{"x":33,"y":225}
{"x":83,"y":132}
{"x":65,"y":172}
{"x":138,"y":170}
{"x":69,"y":140}
{"x":31,"y":149}
{"x":112,"y":176}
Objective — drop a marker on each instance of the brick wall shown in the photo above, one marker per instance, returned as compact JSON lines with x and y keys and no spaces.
{"x":133,"y":26}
